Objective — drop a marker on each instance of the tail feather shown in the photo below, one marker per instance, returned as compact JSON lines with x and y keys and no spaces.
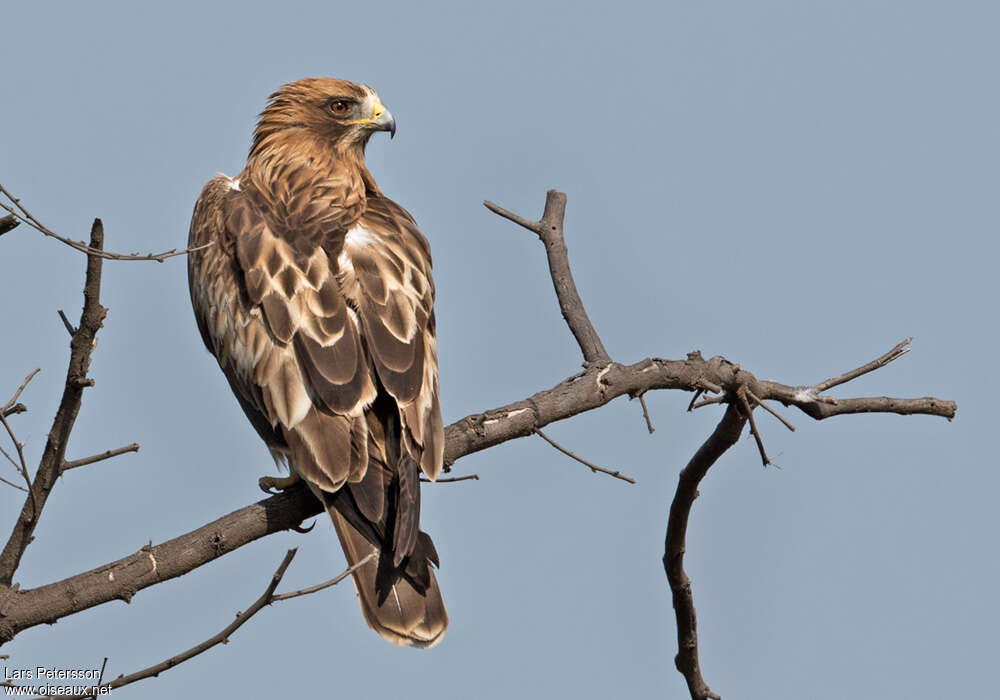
{"x":401,"y":613}
{"x":375,"y":507}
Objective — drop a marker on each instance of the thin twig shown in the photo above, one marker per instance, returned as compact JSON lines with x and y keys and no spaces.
{"x":108,"y":454}
{"x":741,"y":395}
{"x":898,"y":351}
{"x":221,"y":638}
{"x":645,"y":413}
{"x":581,"y":460}
{"x":708,"y":402}
{"x":11,"y":483}
{"x":17,"y":394}
{"x":100,"y":677}
{"x":326,"y":584}
{"x":69,"y":326}
{"x":725,"y":435}
{"x":23,"y":215}
{"x":21,"y":465}
{"x":451,"y":479}
{"x":511,"y":216}
{"x":771,"y":411}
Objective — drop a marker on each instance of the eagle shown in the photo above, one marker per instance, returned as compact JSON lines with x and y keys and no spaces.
{"x":314,"y":292}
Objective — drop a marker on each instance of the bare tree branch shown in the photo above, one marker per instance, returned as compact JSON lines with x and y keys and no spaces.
{"x":69,"y":326}
{"x":726,"y":433}
{"x":7,"y":408}
{"x":107,"y":454}
{"x":326,"y":584}
{"x":20,"y":465}
{"x":601,"y":382}
{"x":450,"y":479}
{"x":741,"y":397}
{"x":19,"y":213}
{"x":645,"y":413}
{"x":50,"y":465}
{"x":550,"y":230}
{"x":593,"y":467}
{"x":11,"y":483}
{"x":901,"y":349}
{"x":770,"y":410}
{"x":582,"y":392}
{"x":221,"y":638}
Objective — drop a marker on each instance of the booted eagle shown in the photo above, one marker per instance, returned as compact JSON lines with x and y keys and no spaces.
{"x":317,"y":300}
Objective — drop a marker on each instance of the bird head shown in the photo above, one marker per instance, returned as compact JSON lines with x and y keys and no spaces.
{"x":337,"y":112}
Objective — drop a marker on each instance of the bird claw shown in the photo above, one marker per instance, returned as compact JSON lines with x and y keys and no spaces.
{"x":304,"y":530}
{"x":276,"y":484}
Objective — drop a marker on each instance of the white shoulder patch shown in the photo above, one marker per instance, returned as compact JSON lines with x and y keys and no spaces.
{"x":359,"y":237}
{"x":233,"y":184}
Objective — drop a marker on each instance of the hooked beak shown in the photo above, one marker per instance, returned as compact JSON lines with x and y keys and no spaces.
{"x":380,"y":120}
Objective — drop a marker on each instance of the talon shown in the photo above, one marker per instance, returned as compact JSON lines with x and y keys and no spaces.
{"x":276,"y":484}
{"x":304,"y":530}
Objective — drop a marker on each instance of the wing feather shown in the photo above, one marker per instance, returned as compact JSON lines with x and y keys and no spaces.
{"x":385,"y":272}
{"x":303,"y":308}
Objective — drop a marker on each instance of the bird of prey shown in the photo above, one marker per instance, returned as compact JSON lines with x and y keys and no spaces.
{"x":314,"y":293}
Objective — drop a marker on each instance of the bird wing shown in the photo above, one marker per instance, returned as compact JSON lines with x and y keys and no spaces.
{"x":385,"y":270}
{"x":270,"y":309}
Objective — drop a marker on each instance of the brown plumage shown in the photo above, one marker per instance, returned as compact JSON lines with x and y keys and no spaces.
{"x":317,"y":300}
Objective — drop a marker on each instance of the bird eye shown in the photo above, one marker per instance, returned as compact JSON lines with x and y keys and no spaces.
{"x":340,"y":106}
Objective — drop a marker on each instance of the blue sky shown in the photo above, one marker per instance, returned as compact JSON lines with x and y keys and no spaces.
{"x":794,"y":185}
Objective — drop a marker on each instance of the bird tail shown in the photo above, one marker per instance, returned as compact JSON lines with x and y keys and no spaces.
{"x":378,"y":513}
{"x":403,"y":604}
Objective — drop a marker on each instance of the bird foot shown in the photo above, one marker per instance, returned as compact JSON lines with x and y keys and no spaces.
{"x":277,"y":484}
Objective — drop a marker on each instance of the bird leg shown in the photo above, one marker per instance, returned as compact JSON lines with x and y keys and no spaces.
{"x":277,"y":484}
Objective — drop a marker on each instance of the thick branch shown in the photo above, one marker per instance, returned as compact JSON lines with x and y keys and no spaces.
{"x":726,"y":433}
{"x":577,"y":394}
{"x":550,"y":231}
{"x":122,"y":579}
{"x":50,"y":465}
{"x":597,"y":386}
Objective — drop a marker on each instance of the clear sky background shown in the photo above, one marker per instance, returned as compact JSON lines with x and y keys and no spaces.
{"x":795,"y":185}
